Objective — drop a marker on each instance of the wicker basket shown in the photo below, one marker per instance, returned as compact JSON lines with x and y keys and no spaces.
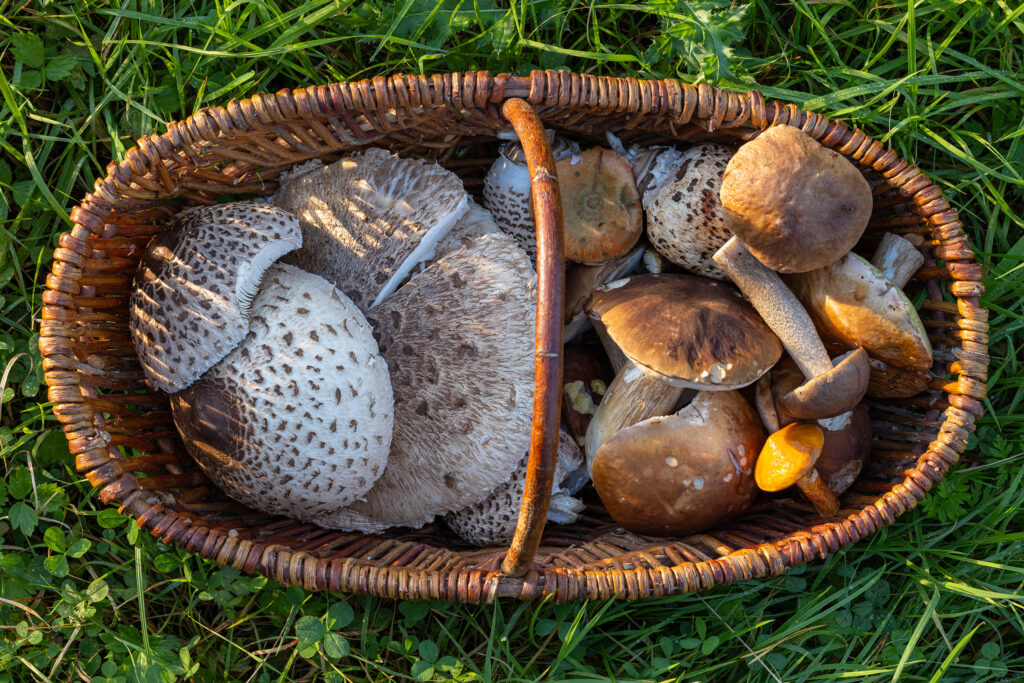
{"x":126,"y":445}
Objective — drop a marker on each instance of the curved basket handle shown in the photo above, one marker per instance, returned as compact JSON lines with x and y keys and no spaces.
{"x":547,"y":378}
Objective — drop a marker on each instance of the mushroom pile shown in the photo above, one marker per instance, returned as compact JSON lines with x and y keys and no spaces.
{"x":357,"y":352}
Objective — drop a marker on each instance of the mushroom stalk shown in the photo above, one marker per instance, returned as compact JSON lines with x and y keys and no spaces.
{"x":778,"y":306}
{"x":898,"y":259}
{"x":820,"y":495}
{"x":632,"y":397}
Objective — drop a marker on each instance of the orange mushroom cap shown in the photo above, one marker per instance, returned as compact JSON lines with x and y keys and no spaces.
{"x":788,"y":455}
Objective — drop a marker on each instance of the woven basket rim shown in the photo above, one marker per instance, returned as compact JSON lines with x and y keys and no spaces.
{"x":680,"y":104}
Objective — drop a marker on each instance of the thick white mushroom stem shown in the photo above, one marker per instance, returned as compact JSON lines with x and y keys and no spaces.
{"x":898,"y":259}
{"x":632,"y":397}
{"x":777,"y":305}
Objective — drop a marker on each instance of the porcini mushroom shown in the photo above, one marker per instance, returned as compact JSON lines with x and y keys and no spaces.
{"x":493,"y":520}
{"x":852,"y":302}
{"x":602,"y":217}
{"x":788,"y":458}
{"x":685,"y":222}
{"x":793,"y":206}
{"x":507,"y":190}
{"x":458,"y":340}
{"x":678,"y":331}
{"x":297,"y":419}
{"x":195,"y":284}
{"x":676,"y":475}
{"x":368,"y":219}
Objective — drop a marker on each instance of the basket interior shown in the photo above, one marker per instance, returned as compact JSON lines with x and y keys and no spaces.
{"x":126,"y":443}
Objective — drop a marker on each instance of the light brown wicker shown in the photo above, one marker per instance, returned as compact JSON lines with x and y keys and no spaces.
{"x":124,"y":442}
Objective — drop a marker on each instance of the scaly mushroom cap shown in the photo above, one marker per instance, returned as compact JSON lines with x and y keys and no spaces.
{"x":297,"y":419}
{"x":788,"y":455}
{"x":684,"y":473}
{"x":797,"y":205}
{"x":477,"y":221}
{"x":693,"y":332}
{"x":493,"y":520}
{"x":368,"y":219}
{"x":458,"y":340}
{"x":507,"y":190}
{"x":601,"y":212}
{"x":195,"y":283}
{"x":851,"y":302}
{"x":685,"y":221}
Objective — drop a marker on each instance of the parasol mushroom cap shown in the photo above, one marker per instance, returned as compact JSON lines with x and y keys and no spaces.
{"x":852,"y":302}
{"x":476,"y":222}
{"x":601,"y":212}
{"x":788,"y":456}
{"x":685,"y":330}
{"x":297,"y":419}
{"x":458,"y":340}
{"x":195,"y":284}
{"x":368,"y":219}
{"x":507,"y":189}
{"x":795,"y":204}
{"x":685,"y":221}
{"x":681,"y":474}
{"x":493,"y":520}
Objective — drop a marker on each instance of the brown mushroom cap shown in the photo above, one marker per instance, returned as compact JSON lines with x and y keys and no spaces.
{"x":852,"y":302}
{"x":845,"y":451}
{"x":683,"y":473}
{"x":832,"y":393}
{"x":600,"y":206}
{"x":693,"y":332}
{"x":788,"y":455}
{"x":797,"y":205}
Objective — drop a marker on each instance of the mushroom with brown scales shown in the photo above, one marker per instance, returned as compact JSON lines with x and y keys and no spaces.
{"x":795,"y":206}
{"x":677,"y":332}
{"x":493,"y":520}
{"x":684,"y":473}
{"x":459,"y":342}
{"x":506,"y":189}
{"x":195,"y":283}
{"x":788,"y":459}
{"x":297,"y":419}
{"x":368,"y":219}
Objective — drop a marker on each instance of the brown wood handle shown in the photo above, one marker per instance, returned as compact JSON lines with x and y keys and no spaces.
{"x":547,"y":378}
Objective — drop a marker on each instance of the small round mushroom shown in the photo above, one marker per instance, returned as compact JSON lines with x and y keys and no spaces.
{"x":493,"y":520}
{"x":678,"y":331}
{"x":507,"y":190}
{"x":798,"y":206}
{"x":852,"y":302}
{"x":297,"y":419}
{"x":685,"y":221}
{"x":195,"y":284}
{"x":788,"y":458}
{"x":601,"y":213}
{"x":368,"y":219}
{"x":459,"y":341}
{"x":681,"y":474}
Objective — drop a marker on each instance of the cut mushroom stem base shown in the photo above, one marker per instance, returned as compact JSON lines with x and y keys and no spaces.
{"x":820,"y":495}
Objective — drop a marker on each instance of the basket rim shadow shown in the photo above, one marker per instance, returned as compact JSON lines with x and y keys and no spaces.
{"x":191,"y":162}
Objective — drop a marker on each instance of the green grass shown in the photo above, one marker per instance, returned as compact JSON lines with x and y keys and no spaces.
{"x":936,"y":597}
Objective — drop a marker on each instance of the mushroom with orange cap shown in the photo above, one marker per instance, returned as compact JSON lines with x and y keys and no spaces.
{"x":788,"y":459}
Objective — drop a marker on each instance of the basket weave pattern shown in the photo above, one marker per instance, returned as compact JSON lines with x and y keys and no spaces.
{"x":96,"y":386}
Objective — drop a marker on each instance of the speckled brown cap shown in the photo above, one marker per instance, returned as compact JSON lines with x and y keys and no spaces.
{"x":694,"y":332}
{"x":297,"y":419}
{"x":685,"y":221}
{"x":684,"y":473}
{"x":194,"y":285}
{"x":796,"y":205}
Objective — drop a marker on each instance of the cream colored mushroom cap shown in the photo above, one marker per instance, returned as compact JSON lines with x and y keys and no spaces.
{"x":297,"y":419}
